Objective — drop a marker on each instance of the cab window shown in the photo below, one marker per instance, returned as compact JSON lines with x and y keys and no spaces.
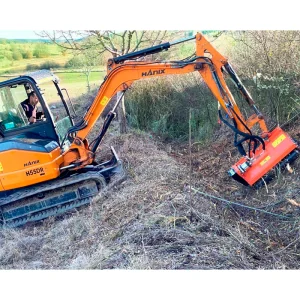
{"x":12,"y":114}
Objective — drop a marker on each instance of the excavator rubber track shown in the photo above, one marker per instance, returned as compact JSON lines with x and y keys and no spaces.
{"x":57,"y":196}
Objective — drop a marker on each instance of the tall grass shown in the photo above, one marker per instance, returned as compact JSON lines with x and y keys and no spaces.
{"x":162,"y":105}
{"x":277,"y":97}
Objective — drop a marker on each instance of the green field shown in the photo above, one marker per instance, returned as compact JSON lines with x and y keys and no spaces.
{"x":21,"y":65}
{"x":74,"y":82}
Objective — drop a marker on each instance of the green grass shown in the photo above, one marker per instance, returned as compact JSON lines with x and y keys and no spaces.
{"x":19,"y":66}
{"x":74,"y":82}
{"x":76,"y":77}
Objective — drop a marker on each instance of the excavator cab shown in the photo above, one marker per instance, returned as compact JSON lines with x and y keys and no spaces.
{"x":30,"y":152}
{"x":53,"y":111}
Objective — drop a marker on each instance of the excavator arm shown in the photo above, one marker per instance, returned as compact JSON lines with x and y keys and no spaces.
{"x":123,"y":71}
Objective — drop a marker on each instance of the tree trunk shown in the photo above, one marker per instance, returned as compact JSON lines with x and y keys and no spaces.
{"x":121,"y":115}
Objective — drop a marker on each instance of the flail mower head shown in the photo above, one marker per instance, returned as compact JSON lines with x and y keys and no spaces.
{"x":275,"y":153}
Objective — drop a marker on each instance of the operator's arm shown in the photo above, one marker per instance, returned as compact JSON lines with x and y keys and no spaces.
{"x":30,"y":112}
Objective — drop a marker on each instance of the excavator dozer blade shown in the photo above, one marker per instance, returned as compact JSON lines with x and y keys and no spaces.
{"x":280,"y":150}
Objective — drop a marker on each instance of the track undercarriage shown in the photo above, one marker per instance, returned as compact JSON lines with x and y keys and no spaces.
{"x":58,"y":196}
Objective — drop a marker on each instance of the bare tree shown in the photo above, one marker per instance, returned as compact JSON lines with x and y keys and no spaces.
{"x":115,"y":42}
{"x":85,"y":62}
{"x":268,"y":51}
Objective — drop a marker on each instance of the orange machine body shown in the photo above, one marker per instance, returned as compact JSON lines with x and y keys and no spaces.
{"x":277,"y":146}
{"x":31,"y":167}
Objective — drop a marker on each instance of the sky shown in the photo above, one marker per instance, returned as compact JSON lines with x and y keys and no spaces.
{"x":19,"y":34}
{"x":25,"y":19}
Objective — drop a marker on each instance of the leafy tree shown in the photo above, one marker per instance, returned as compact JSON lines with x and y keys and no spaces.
{"x":13,"y":46}
{"x":85,"y":62}
{"x":17,"y":55}
{"x":41,"y":51}
{"x":74,"y":63}
{"x":8,"y":55}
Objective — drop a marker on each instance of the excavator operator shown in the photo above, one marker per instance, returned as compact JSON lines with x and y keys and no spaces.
{"x":29,"y":106}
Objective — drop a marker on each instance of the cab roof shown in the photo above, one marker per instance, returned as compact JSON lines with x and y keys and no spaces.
{"x":42,"y":76}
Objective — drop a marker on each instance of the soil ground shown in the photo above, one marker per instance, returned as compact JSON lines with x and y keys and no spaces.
{"x":157,"y":219}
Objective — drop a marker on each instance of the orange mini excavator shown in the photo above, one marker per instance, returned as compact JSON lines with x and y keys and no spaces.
{"x":48,"y":167}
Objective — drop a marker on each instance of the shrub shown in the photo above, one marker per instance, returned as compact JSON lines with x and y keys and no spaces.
{"x":28,"y":54}
{"x":74,"y":62}
{"x":17,"y":55}
{"x":41,"y":51}
{"x":8,"y":55}
{"x":163,"y":106}
{"x":4,"y":62}
{"x":32,"y":67}
{"x":50,"y":64}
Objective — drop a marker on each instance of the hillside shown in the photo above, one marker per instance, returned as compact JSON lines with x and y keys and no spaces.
{"x":152,"y":220}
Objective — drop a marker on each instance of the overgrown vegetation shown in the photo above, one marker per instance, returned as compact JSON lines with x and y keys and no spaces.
{"x":162,"y":106}
{"x":268,"y":72}
{"x":154,"y":221}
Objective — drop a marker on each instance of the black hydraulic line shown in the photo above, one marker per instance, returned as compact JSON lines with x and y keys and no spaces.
{"x":110,"y":116}
{"x":239,"y":84}
{"x":250,"y":132}
{"x":150,"y":50}
{"x":246,"y":136}
{"x":241,"y":132}
{"x":223,"y":93}
{"x":143,"y":52}
{"x":78,"y":126}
